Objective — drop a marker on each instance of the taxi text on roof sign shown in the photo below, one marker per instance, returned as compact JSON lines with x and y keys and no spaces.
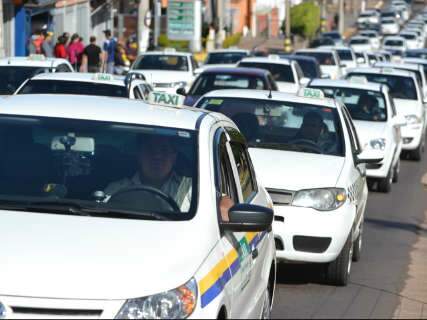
{"x":311,"y":93}
{"x":102,"y":77}
{"x":165,"y":99}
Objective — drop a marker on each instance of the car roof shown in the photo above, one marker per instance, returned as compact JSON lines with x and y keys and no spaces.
{"x":359,"y":37}
{"x":32,"y":62}
{"x":275,"y":96}
{"x":101,"y":109}
{"x":319,"y":49}
{"x":237,"y":50}
{"x":271,"y":59}
{"x":379,"y":70}
{"x":300,"y":58}
{"x":336,"y":48}
{"x":79,"y":77}
{"x":166,"y":53}
{"x":406,"y":66}
{"x":239,"y":70}
{"x":371,"y":86}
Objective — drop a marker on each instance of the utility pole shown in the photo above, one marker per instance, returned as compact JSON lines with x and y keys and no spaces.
{"x":288,"y":42}
{"x":341,"y":17}
{"x":2,"y":51}
{"x":143,"y":29}
{"x":220,"y":23}
{"x":323,"y":18}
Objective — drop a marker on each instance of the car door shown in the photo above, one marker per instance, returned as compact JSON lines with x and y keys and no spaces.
{"x":249,"y":295}
{"x":396,"y":133}
{"x":357,"y":188}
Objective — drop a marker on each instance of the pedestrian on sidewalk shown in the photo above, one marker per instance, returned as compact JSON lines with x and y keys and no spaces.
{"x":60,"y":50}
{"x":47,"y":46}
{"x":109,"y":49}
{"x":75,"y":51}
{"x":92,"y":57}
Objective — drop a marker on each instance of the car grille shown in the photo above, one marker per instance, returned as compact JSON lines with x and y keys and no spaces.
{"x":281,"y":197}
{"x":21,"y":312}
{"x":162,"y":85}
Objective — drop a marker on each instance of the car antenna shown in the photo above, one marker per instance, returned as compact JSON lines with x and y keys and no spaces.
{"x":270,"y":95}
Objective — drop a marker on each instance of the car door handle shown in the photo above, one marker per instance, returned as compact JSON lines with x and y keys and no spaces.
{"x":255,"y":253}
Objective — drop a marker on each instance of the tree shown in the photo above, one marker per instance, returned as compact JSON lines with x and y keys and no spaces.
{"x":305,"y":19}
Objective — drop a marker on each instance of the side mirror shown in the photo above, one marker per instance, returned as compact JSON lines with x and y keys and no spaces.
{"x":249,"y":218}
{"x":370,"y":156}
{"x":304,"y":81}
{"x":181,"y":91}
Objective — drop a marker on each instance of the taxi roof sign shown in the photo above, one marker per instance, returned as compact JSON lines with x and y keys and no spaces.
{"x":274,"y":57}
{"x":36,"y":57}
{"x":311,"y":93}
{"x":103,"y":77}
{"x":388,"y":70}
{"x":170,"y":50}
{"x":165,"y":99}
{"x":358,"y":80}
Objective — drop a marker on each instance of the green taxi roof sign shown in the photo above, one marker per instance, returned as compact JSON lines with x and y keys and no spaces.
{"x":36,"y":57}
{"x":165,"y":99}
{"x":103,"y":77}
{"x":311,"y":93}
{"x":359,"y":80}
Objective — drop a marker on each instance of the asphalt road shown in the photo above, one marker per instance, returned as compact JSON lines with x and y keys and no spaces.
{"x":391,"y":229}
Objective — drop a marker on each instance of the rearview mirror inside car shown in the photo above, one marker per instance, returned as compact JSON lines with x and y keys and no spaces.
{"x":70,"y":142}
{"x":248,"y":218}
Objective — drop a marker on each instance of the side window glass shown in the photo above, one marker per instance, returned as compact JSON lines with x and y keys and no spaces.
{"x":352,"y":132}
{"x":137,"y":93}
{"x":194,"y":64}
{"x":244,"y":169}
{"x":62,"y":68}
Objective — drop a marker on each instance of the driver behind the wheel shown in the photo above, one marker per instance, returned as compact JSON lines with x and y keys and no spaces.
{"x":156,"y":159}
{"x":311,"y":128}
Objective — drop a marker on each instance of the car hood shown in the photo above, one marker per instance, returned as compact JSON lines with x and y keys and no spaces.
{"x":295,"y":171}
{"x":369,"y":130}
{"x":287,"y":87}
{"x":156,"y":76}
{"x":69,"y":257}
{"x":407,"y":107}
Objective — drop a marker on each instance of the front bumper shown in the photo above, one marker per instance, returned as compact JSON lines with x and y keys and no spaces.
{"x":382,"y":169}
{"x":412,"y":136}
{"x":308,"y":235}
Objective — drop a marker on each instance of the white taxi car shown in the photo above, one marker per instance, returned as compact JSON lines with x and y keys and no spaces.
{"x":286,"y":73}
{"x":376,"y":121}
{"x":307,"y":154}
{"x":166,"y":70}
{"x":15,"y":70}
{"x":407,"y":96}
{"x":122,"y":210}
{"x":92,"y":84}
{"x":328,"y":59}
{"x":360,"y":44}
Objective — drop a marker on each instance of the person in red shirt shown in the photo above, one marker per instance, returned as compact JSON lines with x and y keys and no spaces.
{"x":60,"y":50}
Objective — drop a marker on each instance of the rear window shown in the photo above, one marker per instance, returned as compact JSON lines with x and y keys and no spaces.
{"x":324,"y":58}
{"x":74,"y":87}
{"x":394,"y":43}
{"x":280,"y":72}
{"x":345,"y":55}
{"x":409,"y":36}
{"x":359,"y":41}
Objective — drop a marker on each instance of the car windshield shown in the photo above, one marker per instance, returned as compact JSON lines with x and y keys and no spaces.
{"x":74,"y":87}
{"x":366,"y":14}
{"x":211,"y":81}
{"x":333,"y":35}
{"x":280,"y":72}
{"x":388,"y":22}
{"x":94,"y":168}
{"x":309,"y":68}
{"x":225,"y":57}
{"x":359,"y":41}
{"x":400,"y":87}
{"x":280,"y":125}
{"x":369,"y":34}
{"x":408,"y":36}
{"x":324,"y":58}
{"x":416,"y":54}
{"x":394,"y":43}
{"x":161,"y":62}
{"x":388,"y":14}
{"x":364,"y":105}
{"x":345,"y":55}
{"x":12,"y":77}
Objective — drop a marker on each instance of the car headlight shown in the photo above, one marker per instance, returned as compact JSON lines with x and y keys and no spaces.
{"x":378,"y":144}
{"x":413,"y":119}
{"x":174,"y":304}
{"x":3,"y":311}
{"x":326,"y":199}
{"x":179,"y":84}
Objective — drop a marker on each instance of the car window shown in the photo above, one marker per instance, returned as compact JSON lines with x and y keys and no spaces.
{"x":63,"y":68}
{"x":161,"y":62}
{"x":12,"y":77}
{"x":363,"y":105}
{"x":110,"y":169}
{"x":280,"y":72}
{"x":345,"y":55}
{"x":225,"y":57}
{"x":355,"y":144}
{"x":210,"y":82}
{"x":282,"y":125}
{"x":227,"y":184}
{"x":324,"y":58}
{"x":400,"y":87}
{"x":394,"y":43}
{"x":359,"y":41}
{"x":73,"y":87}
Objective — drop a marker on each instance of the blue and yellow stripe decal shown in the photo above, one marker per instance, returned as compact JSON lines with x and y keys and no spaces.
{"x":214,"y":282}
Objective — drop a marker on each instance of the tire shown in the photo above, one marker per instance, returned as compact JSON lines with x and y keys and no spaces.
{"x":416,"y":154}
{"x":266,"y":308}
{"x":396,"y":172}
{"x":338,"y":271}
{"x":384,"y":185}
{"x":357,"y":245}
{"x":371,"y":184}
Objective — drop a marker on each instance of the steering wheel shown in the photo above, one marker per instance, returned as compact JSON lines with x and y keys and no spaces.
{"x":166,"y":198}
{"x":307,"y":143}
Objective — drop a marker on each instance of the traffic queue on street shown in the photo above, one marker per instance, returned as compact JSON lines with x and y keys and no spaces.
{"x":176,"y":190}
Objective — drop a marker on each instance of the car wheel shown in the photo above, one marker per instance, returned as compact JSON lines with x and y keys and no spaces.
{"x":266,"y":308}
{"x":384,"y":185}
{"x":338,"y":271}
{"x":357,"y":245}
{"x":396,"y":172}
{"x":417,"y":154}
{"x":371,"y":184}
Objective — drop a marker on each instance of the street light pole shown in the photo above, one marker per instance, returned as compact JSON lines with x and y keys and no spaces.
{"x":288,"y":42}
{"x":341,"y":17}
{"x":143,"y":30}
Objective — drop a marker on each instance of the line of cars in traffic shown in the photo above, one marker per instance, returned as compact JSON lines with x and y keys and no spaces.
{"x":150,"y":209}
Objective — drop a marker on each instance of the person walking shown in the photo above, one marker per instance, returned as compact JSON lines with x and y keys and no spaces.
{"x":75,"y":51}
{"x":60,"y":50}
{"x":47,"y":46}
{"x":109,"y":49}
{"x":92,"y":57}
